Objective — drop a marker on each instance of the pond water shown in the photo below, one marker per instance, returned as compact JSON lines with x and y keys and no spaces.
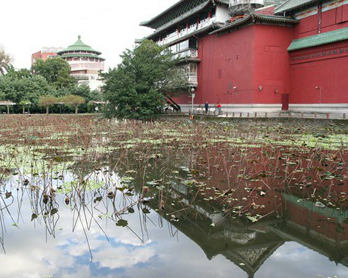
{"x":151,"y":200}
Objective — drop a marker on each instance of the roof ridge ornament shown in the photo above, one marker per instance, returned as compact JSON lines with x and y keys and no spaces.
{"x":79,"y":37}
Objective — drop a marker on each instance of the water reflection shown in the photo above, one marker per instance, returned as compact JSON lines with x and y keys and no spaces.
{"x":171,"y":212}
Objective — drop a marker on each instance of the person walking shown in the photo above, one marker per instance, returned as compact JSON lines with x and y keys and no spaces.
{"x":206,"y":106}
{"x":219,"y":109}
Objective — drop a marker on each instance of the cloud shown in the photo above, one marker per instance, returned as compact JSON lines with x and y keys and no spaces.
{"x":122,"y":257}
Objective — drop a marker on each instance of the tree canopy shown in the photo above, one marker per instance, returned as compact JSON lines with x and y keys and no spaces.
{"x":55,"y":70}
{"x":25,"y":89}
{"x":72,"y":100}
{"x":137,"y":87}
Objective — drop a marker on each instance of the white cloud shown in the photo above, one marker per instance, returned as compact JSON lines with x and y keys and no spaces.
{"x":121,"y":257}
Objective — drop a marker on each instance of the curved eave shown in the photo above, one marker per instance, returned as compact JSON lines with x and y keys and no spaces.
{"x":152,"y":22}
{"x":177,"y":20}
{"x":289,"y":7}
{"x":254,"y":18}
{"x":71,"y":55}
{"x":149,"y":23}
{"x":78,"y":49}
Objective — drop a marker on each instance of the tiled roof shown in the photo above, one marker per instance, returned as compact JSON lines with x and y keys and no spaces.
{"x":178,"y":10}
{"x":320,"y":39}
{"x":293,"y":4}
{"x":79,"y":46}
{"x":255,"y":17}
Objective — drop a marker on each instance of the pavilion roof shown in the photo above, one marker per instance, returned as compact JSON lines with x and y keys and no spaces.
{"x":79,"y":46}
{"x":178,"y":11}
{"x":320,"y":39}
{"x":7,"y":102}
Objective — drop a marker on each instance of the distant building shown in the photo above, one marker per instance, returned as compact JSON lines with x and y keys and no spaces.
{"x":45,"y":53}
{"x":85,"y":63}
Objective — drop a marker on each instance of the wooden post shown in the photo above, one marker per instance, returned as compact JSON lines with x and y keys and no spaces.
{"x":233,"y":114}
{"x":240,"y":114}
{"x":8,"y":109}
{"x":315,"y":115}
{"x":344,"y":115}
{"x":328,"y":115}
{"x":248,"y":114}
{"x":265,"y":114}
{"x":255,"y":114}
{"x":302,"y":115}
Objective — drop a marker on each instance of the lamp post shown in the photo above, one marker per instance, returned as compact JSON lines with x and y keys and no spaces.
{"x":192,"y":90}
{"x":319,"y":88}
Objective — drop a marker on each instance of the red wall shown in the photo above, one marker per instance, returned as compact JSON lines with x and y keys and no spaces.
{"x":329,"y":72}
{"x":271,"y":63}
{"x":226,"y":62}
{"x":333,"y":19}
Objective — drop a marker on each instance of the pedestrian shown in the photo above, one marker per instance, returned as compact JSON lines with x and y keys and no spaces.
{"x":206,"y":106}
{"x":219,"y":109}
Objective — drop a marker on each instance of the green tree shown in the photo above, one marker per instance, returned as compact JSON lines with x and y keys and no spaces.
{"x":25,"y":104}
{"x":20,"y":86}
{"x":55,"y":70}
{"x":47,"y":101}
{"x":137,"y":87}
{"x":5,"y":61}
{"x":73,"y":101}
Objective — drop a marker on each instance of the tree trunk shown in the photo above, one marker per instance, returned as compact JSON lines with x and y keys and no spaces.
{"x":47,"y":108}
{"x":23,"y":109}
{"x":76,"y":109}
{"x":8,"y":109}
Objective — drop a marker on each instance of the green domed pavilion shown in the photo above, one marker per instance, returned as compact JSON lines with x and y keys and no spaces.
{"x":85,"y":63}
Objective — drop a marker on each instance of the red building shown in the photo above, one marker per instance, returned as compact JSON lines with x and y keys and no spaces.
{"x":254,"y":55}
{"x":45,"y":53}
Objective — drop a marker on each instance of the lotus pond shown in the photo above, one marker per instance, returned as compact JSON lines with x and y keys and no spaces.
{"x":82,"y":196}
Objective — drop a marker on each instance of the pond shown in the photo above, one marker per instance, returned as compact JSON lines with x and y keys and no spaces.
{"x":82,"y":196}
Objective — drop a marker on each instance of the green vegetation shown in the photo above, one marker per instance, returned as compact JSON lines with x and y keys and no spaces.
{"x":55,"y":70}
{"x":136,"y":89}
{"x":73,"y":101}
{"x":51,"y":80}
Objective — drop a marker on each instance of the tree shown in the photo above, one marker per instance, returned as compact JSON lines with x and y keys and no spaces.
{"x":55,"y":70}
{"x":24,"y":104}
{"x":73,"y":101}
{"x":5,"y":61}
{"x":47,"y":101}
{"x":136,"y":88}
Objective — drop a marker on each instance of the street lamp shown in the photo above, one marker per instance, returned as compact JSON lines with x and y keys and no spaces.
{"x":192,"y":89}
{"x":319,"y":88}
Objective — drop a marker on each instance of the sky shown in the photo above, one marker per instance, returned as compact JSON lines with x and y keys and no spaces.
{"x":109,"y":26}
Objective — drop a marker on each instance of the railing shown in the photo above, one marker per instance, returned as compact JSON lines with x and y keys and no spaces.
{"x":189,"y":53}
{"x":87,"y":65}
{"x":246,"y":2}
{"x":192,"y":79}
{"x":195,"y":27}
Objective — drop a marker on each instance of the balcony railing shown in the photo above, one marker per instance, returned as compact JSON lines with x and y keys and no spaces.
{"x":192,"y":79}
{"x":177,"y":35}
{"x":246,"y":2}
{"x":189,"y":53}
